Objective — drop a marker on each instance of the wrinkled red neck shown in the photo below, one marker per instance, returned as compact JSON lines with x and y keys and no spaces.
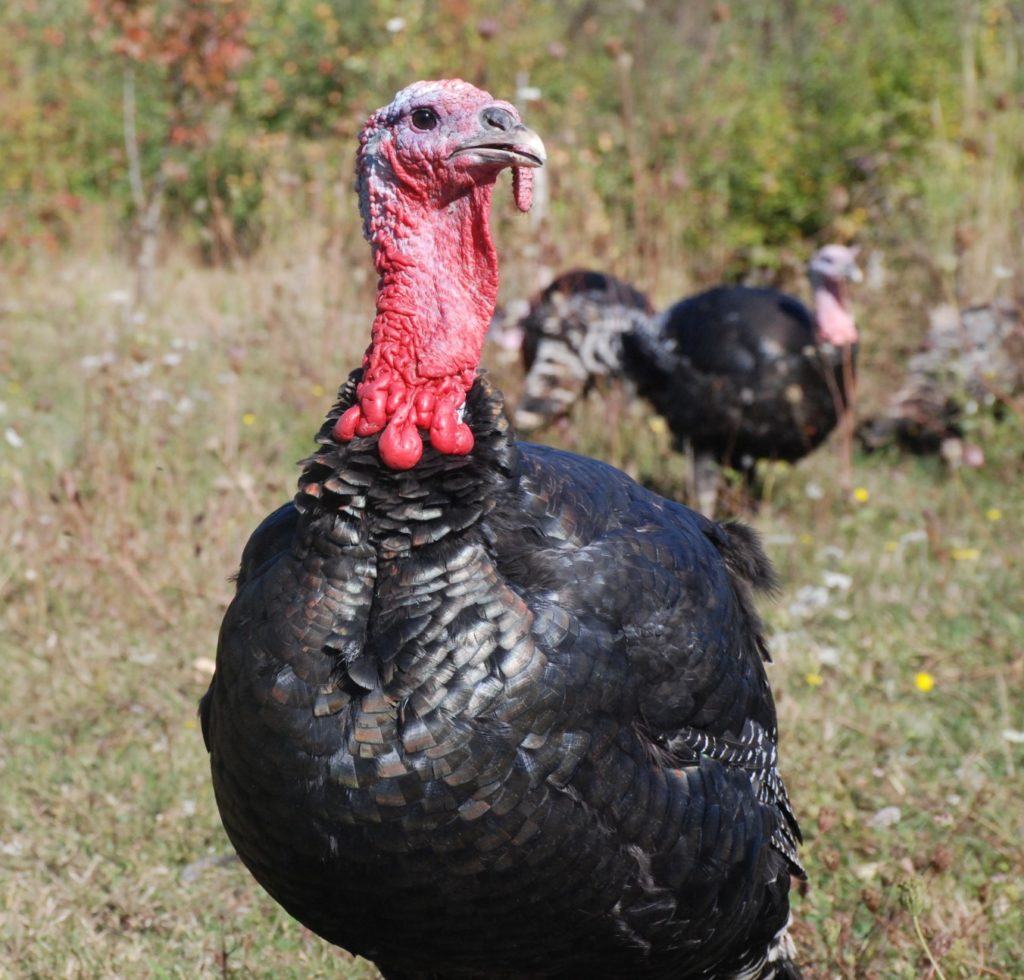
{"x":437,"y":288}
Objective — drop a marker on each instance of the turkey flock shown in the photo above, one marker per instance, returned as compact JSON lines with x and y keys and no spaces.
{"x":739,"y":374}
{"x":488,"y":709}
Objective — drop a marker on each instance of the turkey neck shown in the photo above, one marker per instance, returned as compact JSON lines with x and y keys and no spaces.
{"x":394,"y":510}
{"x":834,"y":316}
{"x":437,"y":289}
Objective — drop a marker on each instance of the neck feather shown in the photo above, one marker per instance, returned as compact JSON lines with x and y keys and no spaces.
{"x":437,"y":288}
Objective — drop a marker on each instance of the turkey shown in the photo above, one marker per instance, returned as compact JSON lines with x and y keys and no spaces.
{"x":571,"y":338}
{"x":485,"y":709}
{"x":742,"y":374}
{"x":972,"y":357}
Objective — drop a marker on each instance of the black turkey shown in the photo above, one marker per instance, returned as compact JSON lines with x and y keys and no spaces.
{"x":485,"y":709}
{"x":742,"y":374}
{"x":970,"y":359}
{"x":571,"y":339}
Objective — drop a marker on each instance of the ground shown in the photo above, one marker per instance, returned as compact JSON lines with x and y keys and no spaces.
{"x":139,"y":451}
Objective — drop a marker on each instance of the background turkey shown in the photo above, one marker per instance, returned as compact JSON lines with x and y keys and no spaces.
{"x":571,"y":337}
{"x":742,"y":374}
{"x":484,"y":709}
{"x":971,"y":359}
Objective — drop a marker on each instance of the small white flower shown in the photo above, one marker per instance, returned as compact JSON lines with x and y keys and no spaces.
{"x":395,"y":25}
{"x":888,"y":816}
{"x":92,"y":362}
{"x":808,"y":599}
{"x":13,"y":439}
{"x":829,"y":656}
{"x":836,"y":580}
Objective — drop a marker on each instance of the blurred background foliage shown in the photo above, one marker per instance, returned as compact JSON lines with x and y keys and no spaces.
{"x":712,"y":137}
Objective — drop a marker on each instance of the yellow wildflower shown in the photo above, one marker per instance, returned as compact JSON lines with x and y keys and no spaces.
{"x":657,"y":424}
{"x":248,"y":419}
{"x":890,"y":546}
{"x":924,"y":681}
{"x":814,"y":680}
{"x":317,"y":391}
{"x":965,"y":554}
{"x":806,"y":538}
{"x":994,"y":514}
{"x":861,"y":495}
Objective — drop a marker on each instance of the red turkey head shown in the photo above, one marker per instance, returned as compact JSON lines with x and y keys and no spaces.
{"x":438,"y":140}
{"x":426,"y":169}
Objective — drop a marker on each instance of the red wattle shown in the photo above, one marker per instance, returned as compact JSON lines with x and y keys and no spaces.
{"x":447,"y":433}
{"x":454,"y":438}
{"x":367,"y":427}
{"x":400,"y":446}
{"x":345,"y":427}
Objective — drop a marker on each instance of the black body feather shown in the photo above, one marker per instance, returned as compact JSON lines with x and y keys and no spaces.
{"x":572,"y":341}
{"x":504,"y":715}
{"x":737,"y":373}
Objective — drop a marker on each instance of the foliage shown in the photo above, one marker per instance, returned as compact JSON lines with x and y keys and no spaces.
{"x":716,"y":137}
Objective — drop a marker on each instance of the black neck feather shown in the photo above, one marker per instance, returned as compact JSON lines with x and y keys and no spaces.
{"x":403,"y":509}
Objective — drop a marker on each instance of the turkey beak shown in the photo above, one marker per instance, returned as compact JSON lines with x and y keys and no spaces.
{"x":503,"y":141}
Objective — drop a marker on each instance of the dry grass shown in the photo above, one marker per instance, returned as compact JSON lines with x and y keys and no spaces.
{"x":138,"y":456}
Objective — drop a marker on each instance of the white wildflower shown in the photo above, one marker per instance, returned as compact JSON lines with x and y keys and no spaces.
{"x":836,"y":580}
{"x":888,"y":816}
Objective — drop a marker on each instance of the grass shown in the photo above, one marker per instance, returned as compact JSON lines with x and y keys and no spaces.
{"x":137,"y":456}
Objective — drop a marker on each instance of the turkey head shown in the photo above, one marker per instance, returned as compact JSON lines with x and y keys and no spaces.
{"x":425,"y":173}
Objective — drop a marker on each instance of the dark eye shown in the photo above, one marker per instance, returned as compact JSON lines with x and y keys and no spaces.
{"x":424,"y":118}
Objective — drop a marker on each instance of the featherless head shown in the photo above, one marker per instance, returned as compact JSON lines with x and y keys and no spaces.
{"x":425,"y":172}
{"x":436,"y":141}
{"x":836,"y":263}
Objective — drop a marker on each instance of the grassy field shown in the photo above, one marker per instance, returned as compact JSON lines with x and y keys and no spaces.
{"x":139,"y":452}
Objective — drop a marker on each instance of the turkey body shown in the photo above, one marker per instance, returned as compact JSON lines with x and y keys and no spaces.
{"x":971,"y":355}
{"x":571,"y":339}
{"x":484,"y":709}
{"x":504,"y":715}
{"x":740,"y":374}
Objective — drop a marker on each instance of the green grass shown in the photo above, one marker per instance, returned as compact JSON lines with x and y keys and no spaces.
{"x":130,"y":483}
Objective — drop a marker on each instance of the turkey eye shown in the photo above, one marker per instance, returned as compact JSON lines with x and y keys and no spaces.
{"x":424,"y":118}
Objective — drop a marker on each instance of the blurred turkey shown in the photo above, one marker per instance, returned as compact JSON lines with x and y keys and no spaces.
{"x":485,"y":709}
{"x":571,"y":339}
{"x":742,"y":374}
{"x":970,"y":359}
